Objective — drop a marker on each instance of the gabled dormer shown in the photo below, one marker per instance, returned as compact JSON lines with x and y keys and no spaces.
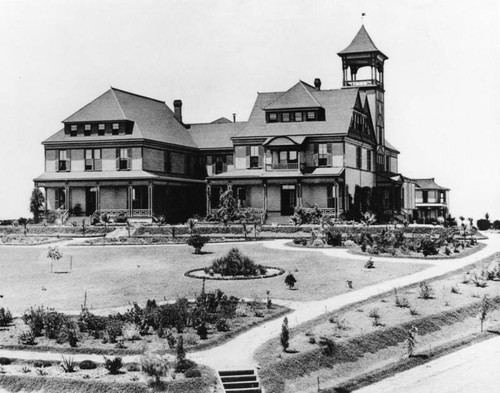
{"x":296,"y":105}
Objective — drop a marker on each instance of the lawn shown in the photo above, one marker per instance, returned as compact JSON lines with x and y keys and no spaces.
{"x":118,"y":276}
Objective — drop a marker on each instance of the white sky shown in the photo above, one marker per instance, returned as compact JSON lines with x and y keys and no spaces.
{"x":442,"y":77}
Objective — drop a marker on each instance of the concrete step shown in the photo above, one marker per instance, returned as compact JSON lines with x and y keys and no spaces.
{"x":240,"y":381}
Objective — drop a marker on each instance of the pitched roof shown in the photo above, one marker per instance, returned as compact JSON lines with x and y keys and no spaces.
{"x":361,"y":43}
{"x":221,"y":120}
{"x":390,"y":146}
{"x":338,"y":106}
{"x":215,"y":135}
{"x":428,"y":184}
{"x":153,"y":119}
{"x":298,"y":96}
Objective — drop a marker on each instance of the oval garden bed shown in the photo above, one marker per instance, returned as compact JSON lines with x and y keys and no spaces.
{"x":201,"y":274}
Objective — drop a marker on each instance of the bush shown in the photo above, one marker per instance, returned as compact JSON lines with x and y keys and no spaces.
{"x":290,"y":280}
{"x":234,"y":263}
{"x":121,"y":218}
{"x":333,"y":237}
{"x":34,"y":319}
{"x":42,"y":363}
{"x":192,"y":372}
{"x":27,"y":338}
{"x":87,"y":365}
{"x":133,"y":367}
{"x":154,"y":366}
{"x":68,"y":364}
{"x":5,"y":317}
{"x":69,"y":333}
{"x":221,"y":325}
{"x":483,"y":224}
{"x":184,"y":365}
{"x":5,"y":361}
{"x":426,"y":291}
{"x":429,"y":246}
{"x":113,"y":365}
{"x":370,"y":264}
{"x":202,"y":331}
{"x":197,"y":242}
{"x":496,"y":224}
{"x":375,"y":316}
{"x":131,"y":332}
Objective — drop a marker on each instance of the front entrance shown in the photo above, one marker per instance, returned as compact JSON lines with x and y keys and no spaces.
{"x":90,"y":200}
{"x":288,"y":199}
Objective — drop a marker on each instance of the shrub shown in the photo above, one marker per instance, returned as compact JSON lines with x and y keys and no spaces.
{"x":133,"y":367}
{"x":68,"y":364}
{"x":184,"y":365}
{"x":113,"y":365}
{"x":411,"y":340}
{"x":401,"y":302}
{"x":483,"y":224}
{"x":69,"y":333}
{"x":5,"y":361}
{"x":34,"y":319}
{"x":53,"y":323}
{"x":42,"y":363}
{"x":5,"y":317}
{"x":27,"y":338}
{"x":192,"y":372}
{"x":429,"y":246}
{"x":290,"y":280}
{"x":375,"y":316}
{"x":496,"y":224}
{"x":131,"y":332}
{"x":234,"y":263}
{"x":154,"y":366}
{"x":370,"y":264}
{"x":87,"y":365}
{"x":221,"y":325}
{"x":197,"y":242}
{"x":121,"y":218}
{"x":113,"y":330}
{"x":202,"y":331}
{"x":426,"y":291}
{"x":333,"y":237}
{"x":327,"y":346}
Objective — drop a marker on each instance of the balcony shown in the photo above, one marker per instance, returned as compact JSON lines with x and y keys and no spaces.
{"x":363,"y":82}
{"x":219,"y":167}
{"x":283,"y":166}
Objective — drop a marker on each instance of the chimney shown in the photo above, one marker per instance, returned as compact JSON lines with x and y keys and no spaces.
{"x":317,"y":84}
{"x":234,"y":117}
{"x":178,"y":110}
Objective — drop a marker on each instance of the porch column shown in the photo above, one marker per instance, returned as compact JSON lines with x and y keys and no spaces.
{"x":45,"y":204}
{"x":66,"y":197}
{"x":129,"y":196}
{"x":299,"y":193}
{"x":336,"y":196}
{"x":264,"y":185}
{"x":150,"y":199}
{"x":98,"y":198}
{"x":208,"y":193}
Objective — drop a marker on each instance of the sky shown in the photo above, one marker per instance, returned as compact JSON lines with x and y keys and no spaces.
{"x":441,"y":85}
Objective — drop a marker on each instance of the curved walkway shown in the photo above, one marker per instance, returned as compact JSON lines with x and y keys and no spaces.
{"x":238,"y":352}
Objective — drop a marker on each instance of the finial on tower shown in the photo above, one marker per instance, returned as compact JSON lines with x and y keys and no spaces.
{"x":363,"y":18}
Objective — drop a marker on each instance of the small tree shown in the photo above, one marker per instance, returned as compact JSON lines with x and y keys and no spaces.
{"x":54,"y":254}
{"x":181,"y":352}
{"x":411,"y":340}
{"x":155,"y":366}
{"x":191,"y":225}
{"x":285,"y":334}
{"x":368,"y":218}
{"x":24,"y":222}
{"x":37,"y":201}
{"x":290,"y":280}
{"x":484,"y":310}
{"x":228,"y":207}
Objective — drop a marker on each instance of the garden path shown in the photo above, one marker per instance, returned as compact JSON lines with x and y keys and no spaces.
{"x":238,"y":352}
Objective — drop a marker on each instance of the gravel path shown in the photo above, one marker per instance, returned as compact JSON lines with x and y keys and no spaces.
{"x":472,"y":369}
{"x":238,"y":352}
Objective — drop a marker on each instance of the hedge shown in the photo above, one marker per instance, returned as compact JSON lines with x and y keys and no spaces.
{"x":55,"y":230}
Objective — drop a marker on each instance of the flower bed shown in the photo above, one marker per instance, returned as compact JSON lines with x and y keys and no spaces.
{"x":201,"y":274}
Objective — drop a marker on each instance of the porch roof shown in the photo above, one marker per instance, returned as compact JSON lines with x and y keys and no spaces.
{"x":108,"y":175}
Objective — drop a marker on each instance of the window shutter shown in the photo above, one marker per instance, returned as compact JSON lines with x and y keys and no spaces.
{"x":229,"y":159}
{"x":329,"y":154}
{"x":98,"y":164}
{"x":261,"y":156}
{"x":68,"y":160}
{"x":248,"y":151}
{"x":129,"y":160}
{"x":57,"y":164}
{"x":315,"y":155}
{"x":209,"y":160}
{"x":117,"y":159}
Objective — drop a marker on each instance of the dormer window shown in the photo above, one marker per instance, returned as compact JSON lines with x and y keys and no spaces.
{"x":116,"y":128}
{"x":101,"y":129}
{"x":298,"y":116}
{"x":295,"y":116}
{"x":272,"y":117}
{"x":73,"y":130}
{"x":285,"y":117}
{"x":311,"y":115}
{"x":87,"y":130}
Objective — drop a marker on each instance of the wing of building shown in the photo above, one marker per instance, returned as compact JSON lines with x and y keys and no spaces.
{"x":305,"y":146}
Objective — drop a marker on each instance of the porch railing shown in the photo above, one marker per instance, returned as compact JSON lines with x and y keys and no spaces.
{"x":284,"y":166}
{"x":114,"y":212}
{"x":141,"y":213}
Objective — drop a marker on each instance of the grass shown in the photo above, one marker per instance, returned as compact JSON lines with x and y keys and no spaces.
{"x":114,"y":276}
{"x":365,"y":347}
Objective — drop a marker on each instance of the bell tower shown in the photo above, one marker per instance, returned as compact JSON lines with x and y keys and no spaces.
{"x":360,"y":54}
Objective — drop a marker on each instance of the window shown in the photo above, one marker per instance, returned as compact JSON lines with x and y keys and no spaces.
{"x":368,"y":160}
{"x":87,"y":129}
{"x":386,"y":199}
{"x":322,"y":154}
{"x":123,"y":159}
{"x":285,"y":117}
{"x":424,"y":196}
{"x":93,"y":160}
{"x":311,"y":115}
{"x":380,"y":162}
{"x":254,"y":157}
{"x":241,"y":196}
{"x":73,"y":130}
{"x":272,"y":117}
{"x":442,"y":197}
{"x":63,"y":162}
{"x":116,"y":128}
{"x":298,"y":116}
{"x":101,"y":129}
{"x":388,"y":163}
{"x":178,"y":162}
{"x":358,"y":157}
{"x":288,"y":156}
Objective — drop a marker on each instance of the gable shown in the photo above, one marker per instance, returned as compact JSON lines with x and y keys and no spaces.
{"x":298,"y":96}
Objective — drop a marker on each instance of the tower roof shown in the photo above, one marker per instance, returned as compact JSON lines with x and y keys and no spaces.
{"x":361,"y":43}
